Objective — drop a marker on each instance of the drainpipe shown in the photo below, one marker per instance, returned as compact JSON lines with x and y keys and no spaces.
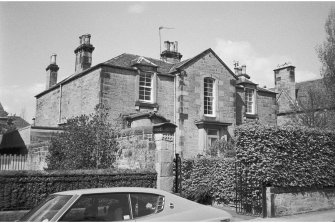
{"x":60,"y":104}
{"x":174,"y":113}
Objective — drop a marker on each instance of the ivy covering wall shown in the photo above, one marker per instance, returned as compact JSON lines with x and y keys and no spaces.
{"x":21,"y":190}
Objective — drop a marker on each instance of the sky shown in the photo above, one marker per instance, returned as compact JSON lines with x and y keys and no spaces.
{"x":260,"y":35}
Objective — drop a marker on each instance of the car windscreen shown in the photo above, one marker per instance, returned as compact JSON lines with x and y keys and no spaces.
{"x":47,"y":209}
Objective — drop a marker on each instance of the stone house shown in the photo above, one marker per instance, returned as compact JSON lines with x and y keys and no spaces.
{"x":200,"y":95}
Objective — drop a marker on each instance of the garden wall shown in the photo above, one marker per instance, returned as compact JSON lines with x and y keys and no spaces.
{"x":290,"y":201}
{"x":22,"y":190}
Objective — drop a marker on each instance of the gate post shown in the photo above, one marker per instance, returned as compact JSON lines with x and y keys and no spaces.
{"x":164,"y":138}
{"x":264,"y":207}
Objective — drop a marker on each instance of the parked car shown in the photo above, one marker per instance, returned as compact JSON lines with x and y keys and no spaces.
{"x":122,"y":204}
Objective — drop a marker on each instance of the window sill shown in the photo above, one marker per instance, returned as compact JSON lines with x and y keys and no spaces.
{"x":210,"y":116}
{"x":254,"y":116}
{"x":146,"y":104}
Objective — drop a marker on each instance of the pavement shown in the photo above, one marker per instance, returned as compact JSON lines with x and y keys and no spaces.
{"x":316,"y":216}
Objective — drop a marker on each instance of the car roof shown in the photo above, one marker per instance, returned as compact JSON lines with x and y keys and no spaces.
{"x":112,"y":190}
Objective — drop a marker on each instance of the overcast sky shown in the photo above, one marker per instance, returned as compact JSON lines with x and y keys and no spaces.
{"x":260,"y":35}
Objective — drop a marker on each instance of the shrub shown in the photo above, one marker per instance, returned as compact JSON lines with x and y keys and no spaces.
{"x":20,"y":190}
{"x":86,"y":142}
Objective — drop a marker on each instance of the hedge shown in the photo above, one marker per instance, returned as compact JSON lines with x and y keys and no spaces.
{"x":209,"y":179}
{"x":291,"y":157}
{"x":288,"y":156}
{"x":21,"y":190}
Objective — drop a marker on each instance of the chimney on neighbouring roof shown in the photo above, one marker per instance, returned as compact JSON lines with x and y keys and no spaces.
{"x":171,"y":54}
{"x":52,"y":72}
{"x":241,"y":71}
{"x":83,"y":53}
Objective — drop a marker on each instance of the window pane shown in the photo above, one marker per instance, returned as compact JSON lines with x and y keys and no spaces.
{"x":146,"y":204}
{"x":208,"y":96}
{"x":249,"y":98}
{"x":99,"y":207}
{"x":145,"y":87}
{"x":213,"y":132}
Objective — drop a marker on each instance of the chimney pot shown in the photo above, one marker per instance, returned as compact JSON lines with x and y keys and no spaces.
{"x":87,"y":38}
{"x":176,"y":46}
{"x":167,"y":45}
{"x":244,"y":69}
{"x":53,"y":58}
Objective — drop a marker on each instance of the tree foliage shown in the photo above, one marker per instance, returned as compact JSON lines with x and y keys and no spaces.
{"x":222,"y":148}
{"x":86,"y":142}
{"x":326,"y":53}
{"x":314,"y":110}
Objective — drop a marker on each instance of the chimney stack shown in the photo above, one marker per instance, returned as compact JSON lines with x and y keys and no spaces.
{"x":171,"y":54}
{"x":83,"y":53}
{"x":52,"y":72}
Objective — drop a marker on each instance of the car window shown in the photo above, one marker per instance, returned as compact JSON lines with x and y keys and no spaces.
{"x":99,"y":207}
{"x":145,"y":204}
{"x":47,"y":209}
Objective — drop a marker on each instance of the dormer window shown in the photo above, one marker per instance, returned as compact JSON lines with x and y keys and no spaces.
{"x":250,"y":101}
{"x":209,"y":97}
{"x":145,"y":87}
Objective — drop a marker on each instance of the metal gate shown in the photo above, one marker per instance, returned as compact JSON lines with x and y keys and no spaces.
{"x":177,"y":174}
{"x":250,"y":193}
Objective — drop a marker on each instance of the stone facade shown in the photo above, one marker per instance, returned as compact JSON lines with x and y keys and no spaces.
{"x":191,"y":138}
{"x":174,"y":91}
{"x":67,"y":100}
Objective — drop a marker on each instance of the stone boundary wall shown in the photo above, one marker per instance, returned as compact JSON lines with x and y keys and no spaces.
{"x":291,"y":201}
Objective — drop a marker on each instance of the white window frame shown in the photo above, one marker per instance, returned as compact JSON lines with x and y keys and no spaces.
{"x":213,"y":97}
{"x":248,"y":101}
{"x":145,"y":87}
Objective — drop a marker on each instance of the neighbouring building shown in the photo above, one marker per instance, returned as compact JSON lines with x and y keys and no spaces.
{"x":10,"y":140}
{"x":306,"y":103}
{"x":200,"y":95}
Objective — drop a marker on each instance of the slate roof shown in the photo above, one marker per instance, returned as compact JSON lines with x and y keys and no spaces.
{"x":2,"y":111}
{"x":125,"y":60}
{"x":318,"y":83}
{"x":18,"y":122}
{"x":266,"y":90}
{"x":246,"y":81}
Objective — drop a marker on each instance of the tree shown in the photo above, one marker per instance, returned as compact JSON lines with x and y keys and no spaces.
{"x":86,"y":142}
{"x":313,"y":109}
{"x":326,"y":54}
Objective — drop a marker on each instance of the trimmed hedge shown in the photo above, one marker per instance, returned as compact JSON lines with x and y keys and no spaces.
{"x":209,"y":179}
{"x":291,"y":157}
{"x":288,"y":156}
{"x":21,"y":190}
